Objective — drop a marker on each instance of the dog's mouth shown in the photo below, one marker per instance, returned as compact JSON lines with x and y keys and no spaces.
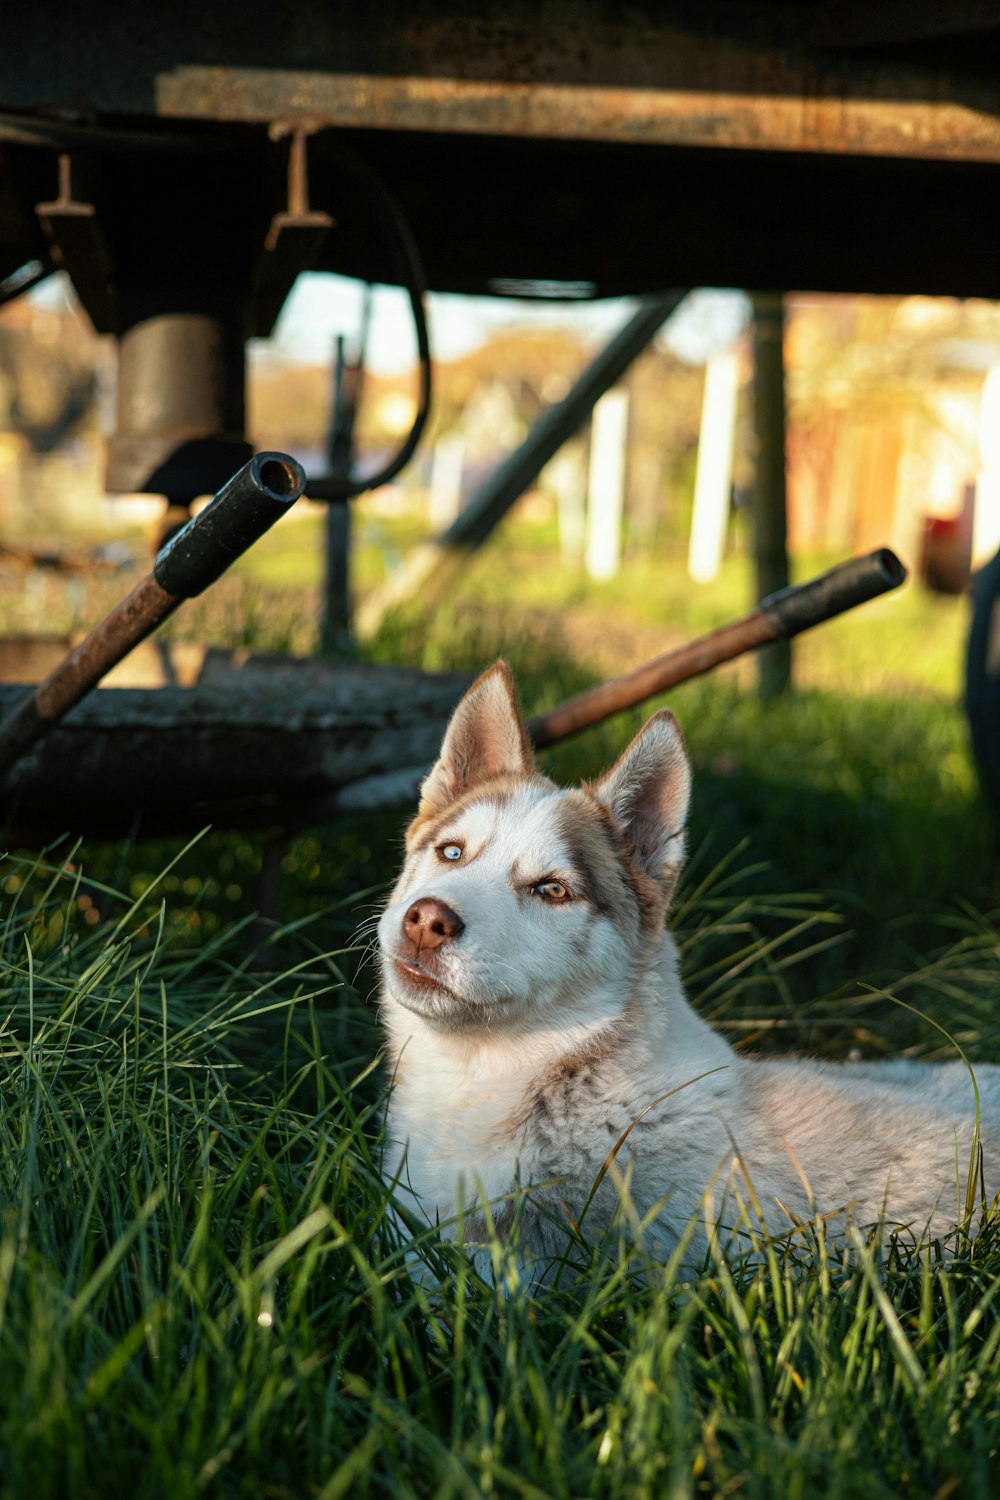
{"x":415,"y":972}
{"x":426,"y":994}
{"x":422,"y":978}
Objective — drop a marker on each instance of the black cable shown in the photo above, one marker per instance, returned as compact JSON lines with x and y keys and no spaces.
{"x":23,"y":279}
{"x":409,"y":267}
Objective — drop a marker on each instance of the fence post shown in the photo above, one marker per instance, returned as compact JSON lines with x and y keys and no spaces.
{"x":769,"y":502}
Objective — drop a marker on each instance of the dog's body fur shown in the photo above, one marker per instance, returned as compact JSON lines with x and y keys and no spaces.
{"x":536,"y":1016}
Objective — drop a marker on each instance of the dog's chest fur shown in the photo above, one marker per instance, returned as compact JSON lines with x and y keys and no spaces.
{"x":462,"y":1122}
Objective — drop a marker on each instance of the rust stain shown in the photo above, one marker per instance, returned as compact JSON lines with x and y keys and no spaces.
{"x":818,"y":115}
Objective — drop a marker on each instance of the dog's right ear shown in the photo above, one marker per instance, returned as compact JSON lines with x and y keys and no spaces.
{"x":647,"y":792}
{"x":485,"y":738}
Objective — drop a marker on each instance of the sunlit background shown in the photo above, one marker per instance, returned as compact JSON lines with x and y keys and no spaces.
{"x":893,"y":406}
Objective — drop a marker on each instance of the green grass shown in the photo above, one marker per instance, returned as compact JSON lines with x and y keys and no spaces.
{"x":200,"y":1289}
{"x":201,"y":1292}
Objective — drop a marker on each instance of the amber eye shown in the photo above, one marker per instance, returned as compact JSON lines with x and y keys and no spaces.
{"x":552,"y":890}
{"x":449,"y":851}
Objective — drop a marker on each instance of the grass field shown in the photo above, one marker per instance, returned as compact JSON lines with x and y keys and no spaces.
{"x":200,"y":1289}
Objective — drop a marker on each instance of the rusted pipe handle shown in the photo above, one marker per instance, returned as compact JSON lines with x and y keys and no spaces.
{"x":201,"y":551}
{"x":850,"y":583}
{"x":779,"y":616}
{"x":232,"y":521}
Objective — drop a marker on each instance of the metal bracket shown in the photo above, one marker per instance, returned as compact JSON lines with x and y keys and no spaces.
{"x":78,"y":246}
{"x":292,"y":244}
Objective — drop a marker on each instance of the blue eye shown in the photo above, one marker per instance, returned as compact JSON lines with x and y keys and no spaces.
{"x":450,"y":851}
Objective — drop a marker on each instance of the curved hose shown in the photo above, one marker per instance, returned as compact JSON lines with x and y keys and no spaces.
{"x":410,"y":269}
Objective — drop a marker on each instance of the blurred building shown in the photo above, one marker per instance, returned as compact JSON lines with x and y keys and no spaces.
{"x":893,"y":409}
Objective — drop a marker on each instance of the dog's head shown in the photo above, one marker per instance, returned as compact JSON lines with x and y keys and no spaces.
{"x":523,"y":904}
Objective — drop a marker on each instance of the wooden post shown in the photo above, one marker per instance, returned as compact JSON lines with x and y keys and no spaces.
{"x":714,"y":476}
{"x":566,"y":476}
{"x":445,"y":499}
{"x":606,"y":485}
{"x":769,"y":504}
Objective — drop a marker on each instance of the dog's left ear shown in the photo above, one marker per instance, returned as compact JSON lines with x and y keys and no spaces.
{"x":647,"y":792}
{"x":486,"y":738}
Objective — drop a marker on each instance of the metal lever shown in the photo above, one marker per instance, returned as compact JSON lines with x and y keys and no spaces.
{"x":778,"y":617}
{"x":245,"y":507}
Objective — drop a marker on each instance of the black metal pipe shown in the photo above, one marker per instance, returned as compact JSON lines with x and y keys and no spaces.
{"x":200,"y":553}
{"x":231,"y":522}
{"x":806,"y":604}
{"x":509,"y":480}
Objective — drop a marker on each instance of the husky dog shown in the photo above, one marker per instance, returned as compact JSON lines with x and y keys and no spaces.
{"x":537,"y":1021}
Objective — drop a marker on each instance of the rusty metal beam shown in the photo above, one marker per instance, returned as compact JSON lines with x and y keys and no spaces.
{"x":761,"y":76}
{"x":815,"y":114}
{"x":691,"y":130}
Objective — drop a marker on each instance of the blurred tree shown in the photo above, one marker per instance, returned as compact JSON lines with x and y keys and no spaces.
{"x":48,"y":360}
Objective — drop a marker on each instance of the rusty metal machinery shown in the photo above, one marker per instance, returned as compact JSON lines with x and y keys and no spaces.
{"x":779,"y":617}
{"x":626,"y":148}
{"x":168,"y":249}
{"x":184,"y":174}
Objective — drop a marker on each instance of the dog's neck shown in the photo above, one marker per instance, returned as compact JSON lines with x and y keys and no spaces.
{"x":654,"y":1019}
{"x":480,"y":1054}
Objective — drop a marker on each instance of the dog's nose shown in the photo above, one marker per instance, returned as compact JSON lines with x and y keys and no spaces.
{"x":429,"y":923}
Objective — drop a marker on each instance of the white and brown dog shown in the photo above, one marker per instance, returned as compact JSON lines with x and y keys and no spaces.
{"x":536,"y":1018}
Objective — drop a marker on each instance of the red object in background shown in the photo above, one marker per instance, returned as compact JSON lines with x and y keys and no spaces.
{"x":946,"y":549}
